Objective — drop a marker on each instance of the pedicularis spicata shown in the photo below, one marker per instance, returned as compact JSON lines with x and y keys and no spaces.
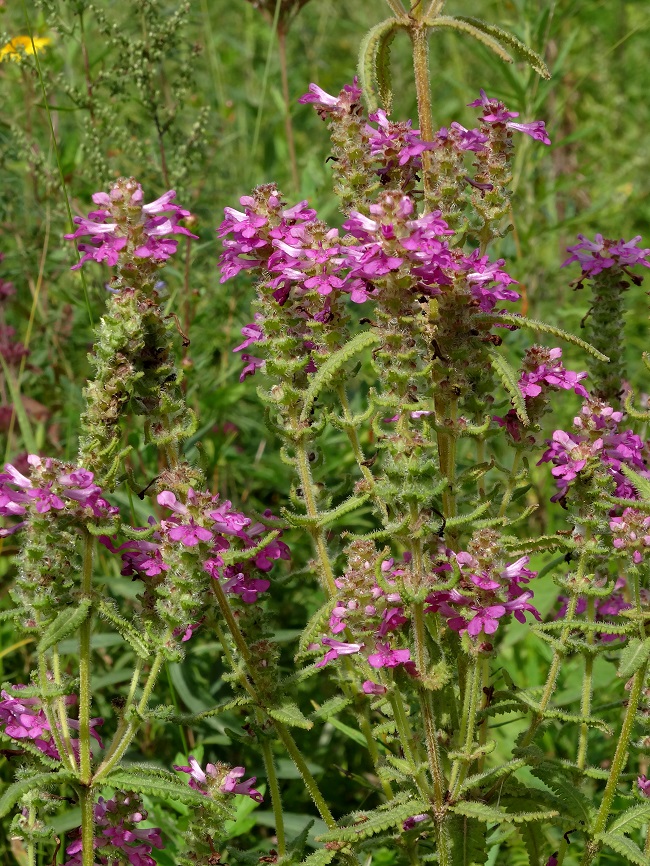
{"x":391,"y":330}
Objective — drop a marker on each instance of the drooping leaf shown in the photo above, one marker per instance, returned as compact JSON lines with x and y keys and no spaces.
{"x":642,"y":484}
{"x":625,"y":847}
{"x":463,"y":26}
{"x":518,"y":48}
{"x":321,"y":857}
{"x":498,"y":815}
{"x":633,"y":657}
{"x":155,"y":782}
{"x":108,"y":610}
{"x":631,"y":818}
{"x":510,"y":381}
{"x":327,"y":372}
{"x":65,"y":623}
{"x":376,"y":821}
{"x":544,"y":327}
{"x":330,"y":708}
{"x":15,"y":791}
{"x":290,"y":714}
{"x":374,"y":64}
{"x":468,"y":841}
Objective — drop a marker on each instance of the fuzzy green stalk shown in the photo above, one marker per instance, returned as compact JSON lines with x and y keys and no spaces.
{"x":31,"y":848}
{"x":551,"y":679}
{"x":406,"y":741}
{"x":512,"y":481}
{"x":121,"y":744}
{"x":351,"y":433}
{"x":124,"y":723}
{"x":461,"y":764}
{"x":60,"y":706}
{"x":618,"y":764}
{"x":420,"y":41}
{"x":431,"y":740}
{"x":87,"y":826}
{"x":366,"y":730}
{"x":84,"y":664}
{"x":605,"y":331}
{"x":66,"y":756}
{"x":587,"y":687}
{"x":483,"y":728}
{"x":326,"y":575}
{"x":251,"y":686}
{"x":276,"y":799}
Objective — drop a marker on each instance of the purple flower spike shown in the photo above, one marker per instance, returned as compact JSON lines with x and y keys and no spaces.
{"x":644,"y":785}
{"x":598,"y":255}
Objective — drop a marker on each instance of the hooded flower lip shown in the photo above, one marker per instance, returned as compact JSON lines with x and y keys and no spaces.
{"x":495,"y":112}
{"x":600,"y":254}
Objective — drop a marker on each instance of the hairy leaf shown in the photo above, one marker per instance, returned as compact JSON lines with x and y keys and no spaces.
{"x":144,"y":779}
{"x":464,"y":27}
{"x":625,"y":847}
{"x":32,"y":783}
{"x":374,"y":64}
{"x":66,"y":622}
{"x":376,"y":821}
{"x":468,"y":840}
{"x":131,"y":635}
{"x":535,"y":325}
{"x":327,"y":373}
{"x":331,"y":707}
{"x":495,"y":814}
{"x":633,"y":657}
{"x":519,"y":48}
{"x":510,"y":381}
{"x":290,"y":714}
{"x":631,"y":818}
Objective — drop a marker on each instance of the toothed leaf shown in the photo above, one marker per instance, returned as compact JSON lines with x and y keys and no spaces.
{"x":463,"y":26}
{"x":518,"y":48}
{"x":510,"y":381}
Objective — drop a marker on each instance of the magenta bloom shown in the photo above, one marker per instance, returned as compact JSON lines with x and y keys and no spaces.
{"x":600,"y":254}
{"x":385,"y":657}
{"x":644,"y":785}
{"x":123,"y":225}
{"x":337,"y":648}
{"x":221,"y":778}
{"x":496,"y":112}
{"x":231,"y":785}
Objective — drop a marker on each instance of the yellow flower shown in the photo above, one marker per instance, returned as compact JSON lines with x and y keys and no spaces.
{"x":12,"y":50}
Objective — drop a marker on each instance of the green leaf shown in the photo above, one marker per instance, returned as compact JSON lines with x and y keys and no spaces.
{"x":631,"y":818}
{"x":290,"y":714}
{"x":369,"y":823}
{"x":26,"y":431}
{"x":497,"y":815}
{"x":468,"y":841}
{"x":108,"y":610}
{"x":535,"y":325}
{"x":634,"y":656}
{"x":462,"y":25}
{"x":572,"y":801}
{"x":625,"y":847}
{"x":642,"y":484}
{"x":519,"y":48}
{"x":321,"y":857}
{"x":492,"y":775}
{"x":155,"y":782}
{"x":464,"y":519}
{"x":374,"y":64}
{"x":317,"y":626}
{"x":327,"y":373}
{"x":229,"y":557}
{"x":331,"y":707}
{"x":32,"y":783}
{"x":66,"y":622}
{"x":323,"y":518}
{"x":510,"y":381}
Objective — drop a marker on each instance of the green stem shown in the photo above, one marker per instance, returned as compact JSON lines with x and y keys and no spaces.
{"x":31,"y":848}
{"x":119,"y":747}
{"x":461,"y":765}
{"x":84,"y":665}
{"x":618,"y":764}
{"x":303,"y":769}
{"x":87,"y":826}
{"x":316,"y":532}
{"x":351,"y":433}
{"x":512,"y":481}
{"x":587,"y":688}
{"x":433,"y":752}
{"x":420,"y":40}
{"x":406,"y":741}
{"x":551,"y":679}
{"x":417,"y":620}
{"x":61,"y":710}
{"x":366,"y":730}
{"x":50,"y":716}
{"x":276,"y":799}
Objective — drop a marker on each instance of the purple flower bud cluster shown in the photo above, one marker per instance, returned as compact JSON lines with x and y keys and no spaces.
{"x":486,"y":592}
{"x":221,"y":778}
{"x":495,"y":113}
{"x":631,"y":533}
{"x":23,"y":718}
{"x":123,"y":226}
{"x":51,"y":487}
{"x":601,"y":254}
{"x":543,"y":372}
{"x":598,"y":442}
{"x":117,"y":838}
{"x":210,"y":526}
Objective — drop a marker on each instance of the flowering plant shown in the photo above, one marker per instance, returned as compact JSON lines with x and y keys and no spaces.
{"x":391,"y":331}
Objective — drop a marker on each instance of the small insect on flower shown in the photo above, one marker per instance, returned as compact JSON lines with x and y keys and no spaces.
{"x":19,"y":45}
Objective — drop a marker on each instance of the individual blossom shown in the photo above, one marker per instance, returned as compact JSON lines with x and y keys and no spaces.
{"x":413,"y":821}
{"x":326,"y":104}
{"x":643,"y":785}
{"x":601,"y":253}
{"x":219,"y":778}
{"x":124,"y":228}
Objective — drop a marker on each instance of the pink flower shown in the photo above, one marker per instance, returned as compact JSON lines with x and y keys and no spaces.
{"x":643,"y":785}
{"x":231,"y":785}
{"x":337,"y":648}
{"x":600,"y":254}
{"x":385,"y":657}
{"x":371,"y":688}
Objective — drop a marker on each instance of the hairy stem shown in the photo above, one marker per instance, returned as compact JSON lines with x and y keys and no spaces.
{"x":87,"y":826}
{"x":276,"y":799}
{"x":420,"y":40}
{"x":84,"y":665}
{"x":461,"y":764}
{"x":587,"y":688}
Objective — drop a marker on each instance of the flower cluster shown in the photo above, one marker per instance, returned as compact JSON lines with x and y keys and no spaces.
{"x":117,"y":839}
{"x":123,"y":225}
{"x":631,"y":533}
{"x":601,"y":254}
{"x":598,"y":442}
{"x":221,"y":778}
{"x":51,"y":487}
{"x":486,"y":591}
{"x":543,"y":372}
{"x":24,"y":718}
{"x":496,"y":114}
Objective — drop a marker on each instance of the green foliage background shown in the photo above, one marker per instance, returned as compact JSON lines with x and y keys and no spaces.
{"x":190,"y":97}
